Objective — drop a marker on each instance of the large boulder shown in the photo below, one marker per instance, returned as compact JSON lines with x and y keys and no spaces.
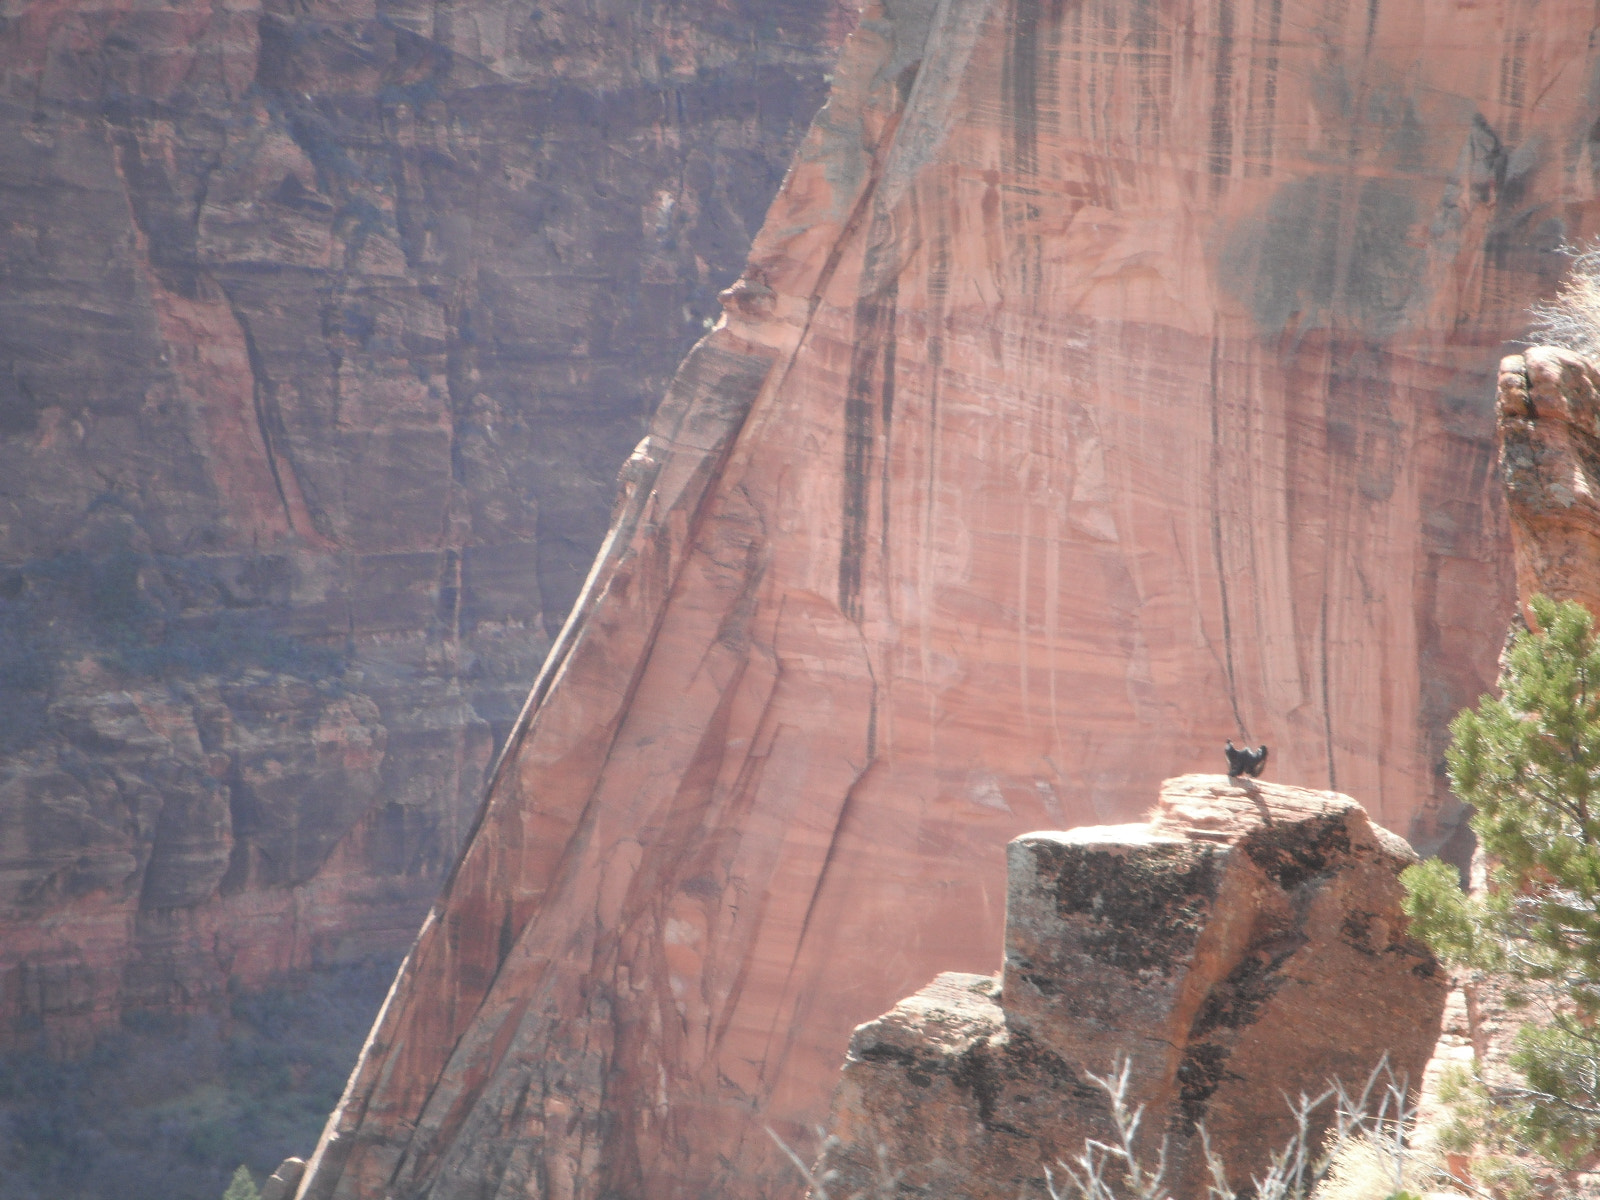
{"x":1243,"y":945}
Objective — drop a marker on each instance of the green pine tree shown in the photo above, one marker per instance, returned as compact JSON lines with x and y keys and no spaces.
{"x":243,"y":1186}
{"x":1529,"y":764}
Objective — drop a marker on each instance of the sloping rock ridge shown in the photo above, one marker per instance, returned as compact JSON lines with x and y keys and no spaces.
{"x":1244,"y":945}
{"x":323,"y":331}
{"x":1108,"y":378}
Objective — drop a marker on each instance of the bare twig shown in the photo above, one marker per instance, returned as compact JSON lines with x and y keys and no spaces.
{"x":1572,"y":319}
{"x":1367,"y":1151}
{"x":885,"y":1186}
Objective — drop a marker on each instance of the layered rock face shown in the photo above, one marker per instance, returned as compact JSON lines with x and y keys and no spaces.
{"x":1548,"y":409}
{"x":1244,"y":945}
{"x":1108,"y":378}
{"x":323,"y":331}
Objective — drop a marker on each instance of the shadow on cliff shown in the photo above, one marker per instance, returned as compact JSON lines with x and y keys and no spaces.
{"x":164,"y":1108}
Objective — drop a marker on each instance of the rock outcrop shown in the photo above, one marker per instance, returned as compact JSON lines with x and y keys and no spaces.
{"x":282,"y":1183}
{"x":1108,"y":378}
{"x":1549,"y":418}
{"x":324,"y":328}
{"x":1244,"y":945}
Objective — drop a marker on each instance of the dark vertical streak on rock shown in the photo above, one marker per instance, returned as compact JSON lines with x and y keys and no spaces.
{"x":872,"y":726}
{"x":1327,"y":706}
{"x":1221,"y":164}
{"x":891,"y":300}
{"x":1269,"y":91}
{"x":1144,"y":36}
{"x":1514,"y":83}
{"x":1266,"y":30}
{"x":269,"y":421}
{"x":1049,"y":86}
{"x":1102,"y":65}
{"x":938,"y":298}
{"x":460,"y":366}
{"x":1216,"y":529}
{"x":873,"y":315}
{"x":1022,"y":86}
{"x":1372,"y":25}
{"x":858,"y":215}
{"x":449,"y":603}
{"x":857,"y":453}
{"x":1072,"y":36}
{"x":1021,"y":92}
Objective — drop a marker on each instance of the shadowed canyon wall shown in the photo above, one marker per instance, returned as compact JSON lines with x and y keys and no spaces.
{"x":323,"y":329}
{"x":1109,"y":378}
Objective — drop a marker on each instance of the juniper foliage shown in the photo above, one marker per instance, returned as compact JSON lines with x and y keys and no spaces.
{"x":243,"y":1187}
{"x":1529,"y":764}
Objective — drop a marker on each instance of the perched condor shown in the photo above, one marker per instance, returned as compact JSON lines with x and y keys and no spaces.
{"x":1245,"y":762}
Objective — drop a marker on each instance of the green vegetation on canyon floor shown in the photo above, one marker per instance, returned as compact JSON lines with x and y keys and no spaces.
{"x":166,"y":1108}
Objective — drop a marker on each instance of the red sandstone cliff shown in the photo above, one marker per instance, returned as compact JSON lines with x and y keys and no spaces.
{"x":323,"y":328}
{"x":1109,"y":378}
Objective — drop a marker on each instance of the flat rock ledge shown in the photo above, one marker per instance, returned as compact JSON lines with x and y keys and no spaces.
{"x":1242,"y":945}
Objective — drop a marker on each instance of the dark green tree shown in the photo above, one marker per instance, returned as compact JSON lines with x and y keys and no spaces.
{"x":243,"y":1186}
{"x":1529,"y":764}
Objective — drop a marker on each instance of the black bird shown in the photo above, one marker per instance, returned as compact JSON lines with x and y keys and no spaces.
{"x":1245,"y":762}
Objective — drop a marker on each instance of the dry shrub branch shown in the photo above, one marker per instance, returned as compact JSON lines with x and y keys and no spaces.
{"x":1572,"y":319}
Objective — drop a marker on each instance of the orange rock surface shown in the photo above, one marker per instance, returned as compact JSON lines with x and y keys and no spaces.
{"x":1549,"y":416}
{"x":1244,"y":945}
{"x":1108,"y":379}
